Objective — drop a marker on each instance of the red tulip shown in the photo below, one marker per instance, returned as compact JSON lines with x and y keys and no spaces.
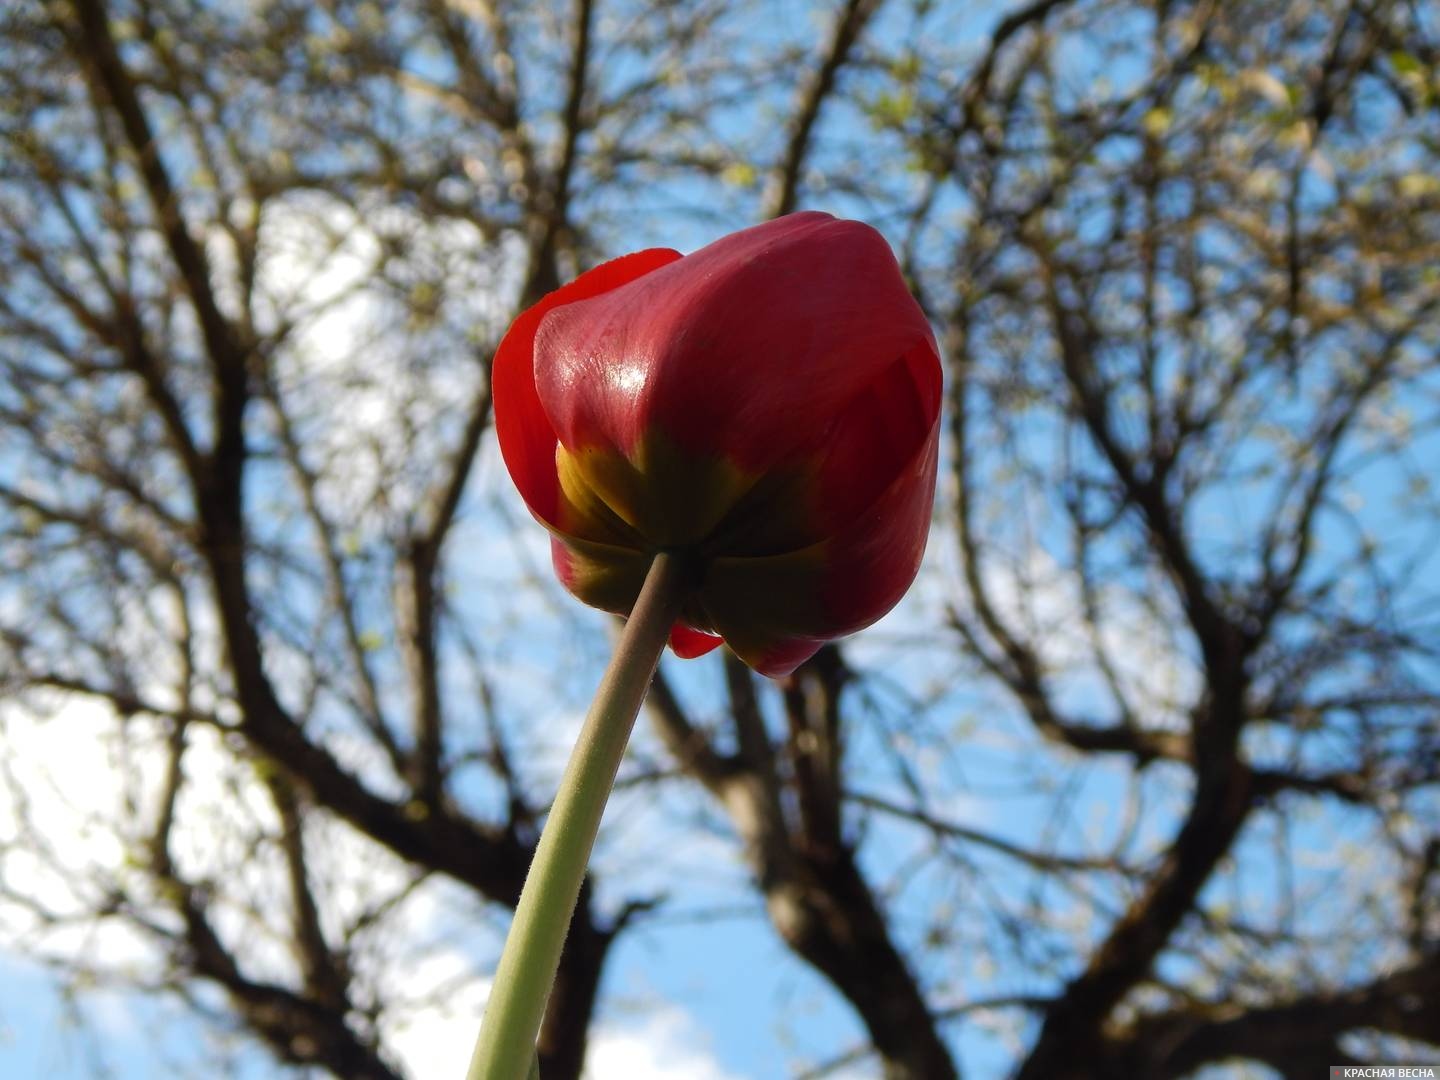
{"x":768,"y":405}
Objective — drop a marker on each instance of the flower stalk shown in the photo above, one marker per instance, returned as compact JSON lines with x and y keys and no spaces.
{"x":505,"y":1049}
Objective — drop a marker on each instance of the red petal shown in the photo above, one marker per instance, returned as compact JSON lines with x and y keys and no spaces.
{"x":784,"y":657}
{"x":602,"y":576}
{"x":688,"y":643}
{"x":527,"y":439}
{"x":874,"y":560}
{"x":876,"y":436}
{"x":747,"y":349}
{"x":776,"y":611}
{"x":610,"y":579}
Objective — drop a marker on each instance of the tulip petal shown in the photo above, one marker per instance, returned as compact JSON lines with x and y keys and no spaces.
{"x":875,"y":437}
{"x":601,"y":575}
{"x":749,"y":349}
{"x":670,"y":498}
{"x":610,"y":578}
{"x":776,"y":611}
{"x":688,"y":643}
{"x":527,"y":438}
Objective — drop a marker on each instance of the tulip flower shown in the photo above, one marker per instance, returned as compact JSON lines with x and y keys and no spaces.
{"x":767,"y":408}
{"x":735,"y":445}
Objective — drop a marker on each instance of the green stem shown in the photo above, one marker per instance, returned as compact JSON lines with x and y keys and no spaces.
{"x":506,"y":1046}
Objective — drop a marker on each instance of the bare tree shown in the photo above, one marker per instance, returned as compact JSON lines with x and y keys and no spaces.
{"x":1175,"y":648}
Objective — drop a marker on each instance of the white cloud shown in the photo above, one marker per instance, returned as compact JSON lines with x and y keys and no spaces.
{"x":667,"y":1045}
{"x":60,"y":798}
{"x":437,"y":1039}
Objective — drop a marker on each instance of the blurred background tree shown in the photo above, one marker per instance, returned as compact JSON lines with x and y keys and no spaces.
{"x":1144,"y":779}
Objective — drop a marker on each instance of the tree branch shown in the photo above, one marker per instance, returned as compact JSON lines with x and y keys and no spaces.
{"x":817,"y":897}
{"x":1299,"y":1038}
{"x":850,"y":22}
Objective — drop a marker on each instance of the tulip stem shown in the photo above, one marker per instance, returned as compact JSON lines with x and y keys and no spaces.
{"x":505,"y":1049}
